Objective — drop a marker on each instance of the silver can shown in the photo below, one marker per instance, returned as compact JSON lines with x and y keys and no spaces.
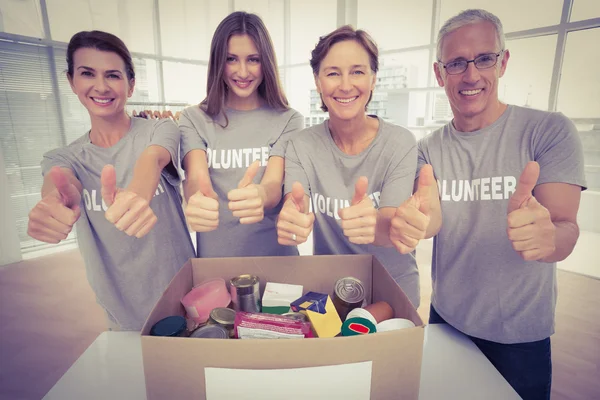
{"x":211,"y":332}
{"x":348,"y":294}
{"x":245,"y":293}
{"x":224,"y":317}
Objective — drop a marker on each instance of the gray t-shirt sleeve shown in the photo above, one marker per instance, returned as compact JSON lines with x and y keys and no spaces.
{"x":190,"y":135}
{"x":295,"y":124}
{"x":166,"y":134}
{"x":559,"y":154}
{"x":56,"y":158}
{"x":294,"y":171}
{"x":398,"y":182}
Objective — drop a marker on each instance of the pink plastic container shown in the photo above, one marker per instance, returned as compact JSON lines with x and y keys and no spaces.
{"x":202,"y":299}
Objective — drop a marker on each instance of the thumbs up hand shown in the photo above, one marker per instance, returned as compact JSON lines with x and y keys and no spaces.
{"x":295,"y":223}
{"x":359,"y":220}
{"x":530,"y":227}
{"x":127,"y":210}
{"x":202,"y":209}
{"x":409,"y":224}
{"x":247,"y":201}
{"x":53,"y":217}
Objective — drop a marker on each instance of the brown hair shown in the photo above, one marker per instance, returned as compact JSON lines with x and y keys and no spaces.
{"x":341,"y":34}
{"x":242,"y":23}
{"x":102,"y":41}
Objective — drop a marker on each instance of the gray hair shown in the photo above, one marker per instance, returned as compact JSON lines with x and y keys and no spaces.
{"x":467,"y":17}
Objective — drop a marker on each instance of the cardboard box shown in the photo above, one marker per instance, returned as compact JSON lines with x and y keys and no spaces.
{"x":174,"y":367}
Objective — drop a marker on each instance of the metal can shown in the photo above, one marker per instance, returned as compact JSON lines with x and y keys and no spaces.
{"x":224,"y":317}
{"x":296,"y":316}
{"x":170,"y":326}
{"x":348,"y":294}
{"x":211,"y":332}
{"x":245,"y":293}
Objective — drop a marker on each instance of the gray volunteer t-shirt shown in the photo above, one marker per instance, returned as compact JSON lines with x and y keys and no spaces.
{"x":328,"y":176}
{"x":250,"y":135}
{"x":127,"y":274}
{"x":481,"y":285}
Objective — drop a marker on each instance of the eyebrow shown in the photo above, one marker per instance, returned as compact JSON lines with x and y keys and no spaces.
{"x":249,"y":55}
{"x":110,"y":71}
{"x":478,"y":55}
{"x":351,"y":67}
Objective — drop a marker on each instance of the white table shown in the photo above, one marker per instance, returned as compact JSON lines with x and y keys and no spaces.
{"x":452,"y":368}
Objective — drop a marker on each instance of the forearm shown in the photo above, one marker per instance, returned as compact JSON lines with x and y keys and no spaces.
{"x":147,"y":171}
{"x":435,"y":223}
{"x":382,"y":228}
{"x":565,"y":238}
{"x":271,"y":193}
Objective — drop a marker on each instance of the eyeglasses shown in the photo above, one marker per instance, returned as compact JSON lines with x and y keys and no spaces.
{"x":483,"y":61}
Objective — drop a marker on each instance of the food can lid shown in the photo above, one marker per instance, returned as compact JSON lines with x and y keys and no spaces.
{"x":244,"y":281}
{"x":350,"y":290}
{"x":169,"y":326}
{"x":211,"y":332}
{"x":223,"y":316}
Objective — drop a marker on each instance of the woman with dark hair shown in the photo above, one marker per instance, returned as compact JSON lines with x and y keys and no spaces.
{"x":233,"y":145}
{"x":116,"y":182}
{"x":356,"y":168}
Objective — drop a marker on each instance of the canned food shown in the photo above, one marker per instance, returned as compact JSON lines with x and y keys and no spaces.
{"x":245,"y":293}
{"x":348,"y":294}
{"x":296,"y":316}
{"x":224,"y":317}
{"x":211,"y":332}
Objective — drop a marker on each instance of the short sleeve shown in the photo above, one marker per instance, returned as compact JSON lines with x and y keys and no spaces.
{"x":165,"y":133}
{"x":191,"y":138}
{"x":558,"y":150}
{"x":295,"y":124}
{"x":400,"y":176}
{"x":294,"y":170}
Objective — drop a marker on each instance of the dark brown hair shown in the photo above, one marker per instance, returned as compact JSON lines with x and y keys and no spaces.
{"x":342,"y":34}
{"x":270,"y":90}
{"x":102,"y":41}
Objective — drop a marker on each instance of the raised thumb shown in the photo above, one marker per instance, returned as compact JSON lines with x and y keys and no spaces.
{"x":360,"y":190}
{"x":108,"y":180}
{"x":249,"y":175}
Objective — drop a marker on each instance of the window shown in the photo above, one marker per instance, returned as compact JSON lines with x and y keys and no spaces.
{"x":301,"y":91}
{"x":579,"y":97}
{"x":132,"y":21}
{"x":21,"y":17}
{"x":187,"y":26}
{"x":411,"y":22}
{"x":516,"y":15}
{"x":271,"y":12}
{"x":30,"y":125}
{"x":529,"y":72}
{"x":404,"y":70}
{"x":310,"y":19}
{"x":585,"y":9}
{"x":194,"y":76}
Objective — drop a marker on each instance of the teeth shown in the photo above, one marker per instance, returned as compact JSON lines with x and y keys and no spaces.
{"x":470,"y":92}
{"x":103,"y":101}
{"x":346,"y":100}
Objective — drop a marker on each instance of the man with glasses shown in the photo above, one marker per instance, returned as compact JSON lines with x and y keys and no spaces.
{"x":510,"y":181}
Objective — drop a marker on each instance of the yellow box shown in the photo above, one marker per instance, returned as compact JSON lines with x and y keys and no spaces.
{"x":325,"y":325}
